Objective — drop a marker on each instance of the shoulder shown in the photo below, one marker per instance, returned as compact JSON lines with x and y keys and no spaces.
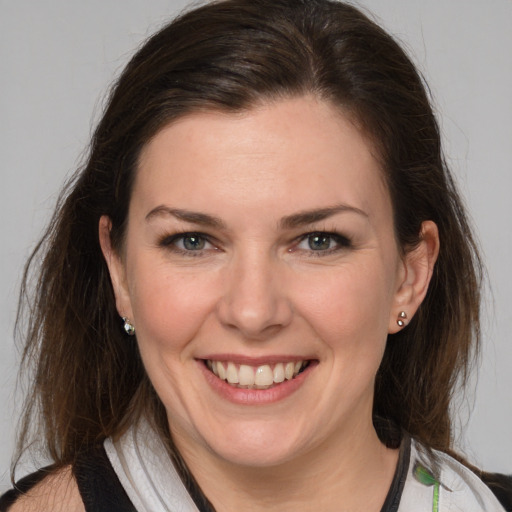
{"x":57,"y":491}
{"x":90,"y":484}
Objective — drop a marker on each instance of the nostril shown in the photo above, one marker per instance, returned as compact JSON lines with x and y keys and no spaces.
{"x":255,"y":321}
{"x":252,"y":300}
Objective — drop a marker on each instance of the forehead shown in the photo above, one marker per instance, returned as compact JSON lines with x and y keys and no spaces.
{"x":296,"y":154}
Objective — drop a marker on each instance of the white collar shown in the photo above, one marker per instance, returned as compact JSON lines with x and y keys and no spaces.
{"x":459,"y":489}
{"x":145,"y":470}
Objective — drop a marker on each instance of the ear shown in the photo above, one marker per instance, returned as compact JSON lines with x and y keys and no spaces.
{"x":417,"y":269}
{"x":116,"y":269}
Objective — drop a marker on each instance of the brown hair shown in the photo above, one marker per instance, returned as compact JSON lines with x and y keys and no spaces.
{"x":230,"y":55}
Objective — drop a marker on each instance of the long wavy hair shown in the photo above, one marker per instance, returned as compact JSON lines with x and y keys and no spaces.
{"x":89,"y":382}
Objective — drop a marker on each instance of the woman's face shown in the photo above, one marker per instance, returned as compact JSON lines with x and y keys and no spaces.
{"x":262,"y":275}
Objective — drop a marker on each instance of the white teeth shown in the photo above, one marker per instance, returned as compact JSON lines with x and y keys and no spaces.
{"x":260,"y":377}
{"x":232,"y":374}
{"x":279,"y":373}
{"x":264,"y":376}
{"x":221,"y":372}
{"x":246,"y":375}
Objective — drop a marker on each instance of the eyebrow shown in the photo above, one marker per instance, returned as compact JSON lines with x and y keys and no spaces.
{"x":289,"y":222}
{"x":311,"y":216}
{"x":202,"y":219}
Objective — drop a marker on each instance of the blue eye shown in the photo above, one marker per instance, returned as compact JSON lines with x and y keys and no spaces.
{"x":187,"y":242}
{"x":193,"y":242}
{"x":322,"y":242}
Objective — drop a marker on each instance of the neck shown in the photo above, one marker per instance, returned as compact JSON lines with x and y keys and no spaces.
{"x":353,"y":470}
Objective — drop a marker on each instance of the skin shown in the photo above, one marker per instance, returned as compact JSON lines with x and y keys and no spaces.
{"x":56,"y":493}
{"x":259,"y":290}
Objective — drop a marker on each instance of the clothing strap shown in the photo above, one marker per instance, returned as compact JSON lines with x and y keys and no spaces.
{"x":99,"y":487}
{"x":145,"y":470}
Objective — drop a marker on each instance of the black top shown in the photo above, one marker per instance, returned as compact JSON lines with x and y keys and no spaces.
{"x":101,"y":490}
{"x":99,"y":487}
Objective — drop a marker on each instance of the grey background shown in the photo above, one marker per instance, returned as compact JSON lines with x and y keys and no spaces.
{"x":57,"y":58}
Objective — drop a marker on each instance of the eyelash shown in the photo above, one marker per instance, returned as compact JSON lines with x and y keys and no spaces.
{"x":170,"y":242}
{"x":341,"y":243}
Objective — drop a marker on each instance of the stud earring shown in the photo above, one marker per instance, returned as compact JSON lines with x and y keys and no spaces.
{"x":128,"y":327}
{"x":402,"y":316}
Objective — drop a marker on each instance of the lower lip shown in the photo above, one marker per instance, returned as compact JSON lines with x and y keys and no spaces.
{"x":243,"y":396}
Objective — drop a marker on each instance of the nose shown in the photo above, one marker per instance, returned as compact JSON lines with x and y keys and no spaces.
{"x":254,"y":300}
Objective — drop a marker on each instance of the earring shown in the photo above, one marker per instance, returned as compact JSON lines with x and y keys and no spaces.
{"x":128,"y":327}
{"x":401,"y":318}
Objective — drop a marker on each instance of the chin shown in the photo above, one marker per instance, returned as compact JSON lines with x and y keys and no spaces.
{"x":257,"y":446}
{"x":254,"y":455}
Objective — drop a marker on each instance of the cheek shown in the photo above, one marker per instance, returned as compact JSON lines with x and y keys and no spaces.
{"x":170,"y":307}
{"x":350,"y":310}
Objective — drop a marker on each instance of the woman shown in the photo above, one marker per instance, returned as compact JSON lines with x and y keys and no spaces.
{"x":262,"y":284}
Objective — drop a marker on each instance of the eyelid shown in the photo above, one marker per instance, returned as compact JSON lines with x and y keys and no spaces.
{"x":343,"y":242}
{"x":169,"y":241}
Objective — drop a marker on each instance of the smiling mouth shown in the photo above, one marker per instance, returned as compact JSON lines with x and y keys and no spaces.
{"x":264,"y":376}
